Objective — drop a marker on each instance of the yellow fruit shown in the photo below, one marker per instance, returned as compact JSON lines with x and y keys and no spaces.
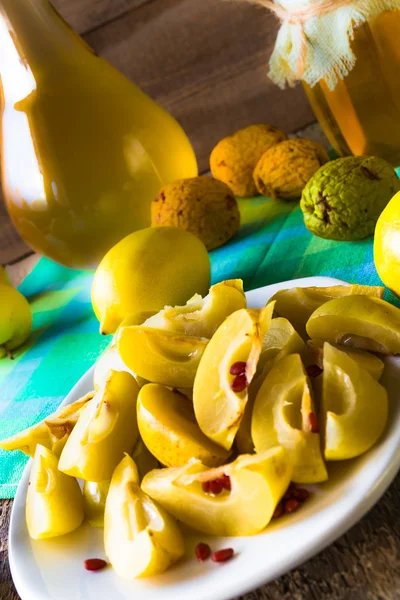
{"x":54,"y":503}
{"x":63,"y":421}
{"x":161,"y":356}
{"x":281,"y":415}
{"x":94,"y":501}
{"x":105,"y":430}
{"x":298,"y":304}
{"x":354,"y":406}
{"x":218,"y":408}
{"x":4,"y":279}
{"x":59,"y":446}
{"x":281,"y":340}
{"x":140,"y":538}
{"x":110,"y":360}
{"x":143,"y":458}
{"x":258,"y":482}
{"x":358,"y":322}
{"x":48,"y":431}
{"x":168,"y":427}
{"x":201,"y":317}
{"x":365,"y":360}
{"x":15,"y":319}
{"x":147,"y":270}
{"x":387,"y":245}
{"x":27,"y":440}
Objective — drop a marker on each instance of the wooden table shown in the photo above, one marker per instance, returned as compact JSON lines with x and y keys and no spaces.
{"x":364,"y":564}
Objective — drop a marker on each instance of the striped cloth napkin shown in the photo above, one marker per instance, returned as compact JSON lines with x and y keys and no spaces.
{"x":272,"y":245}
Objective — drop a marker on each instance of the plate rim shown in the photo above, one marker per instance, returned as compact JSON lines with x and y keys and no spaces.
{"x":321,"y":541}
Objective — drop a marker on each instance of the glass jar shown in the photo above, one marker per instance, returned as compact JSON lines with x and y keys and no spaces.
{"x":361,"y":115}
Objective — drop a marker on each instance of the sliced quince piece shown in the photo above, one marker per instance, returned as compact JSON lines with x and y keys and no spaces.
{"x":168,"y":427}
{"x":298,"y":304}
{"x":354,"y":406}
{"x":257,"y":483}
{"x":140,"y":538}
{"x":161,"y":356}
{"x":358,"y":322}
{"x":105,"y":430}
{"x":63,"y":421}
{"x":201,"y":317}
{"x":220,"y":396}
{"x":48,"y":431}
{"x":282,"y":339}
{"x":27,"y":440}
{"x":94,"y":501}
{"x":366,"y":360}
{"x":54,"y":503}
{"x":110,"y":360}
{"x":59,"y":445}
{"x":281,"y":415}
{"x":143,"y":458}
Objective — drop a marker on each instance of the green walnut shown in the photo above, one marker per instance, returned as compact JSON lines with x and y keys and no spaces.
{"x":344,"y":199}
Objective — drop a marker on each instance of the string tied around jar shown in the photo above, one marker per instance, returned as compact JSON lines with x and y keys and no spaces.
{"x":314,"y":40}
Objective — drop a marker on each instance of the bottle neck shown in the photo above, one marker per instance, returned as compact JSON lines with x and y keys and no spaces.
{"x":32,"y":32}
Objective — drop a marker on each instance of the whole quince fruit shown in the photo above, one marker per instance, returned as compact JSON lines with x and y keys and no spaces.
{"x":387,"y":245}
{"x":15,"y":319}
{"x":147,"y":270}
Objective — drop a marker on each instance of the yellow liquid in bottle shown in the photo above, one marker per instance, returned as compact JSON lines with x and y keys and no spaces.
{"x":84,"y":151}
{"x":362,"y":114}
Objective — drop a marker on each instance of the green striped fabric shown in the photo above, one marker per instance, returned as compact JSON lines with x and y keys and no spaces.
{"x":272,"y":245}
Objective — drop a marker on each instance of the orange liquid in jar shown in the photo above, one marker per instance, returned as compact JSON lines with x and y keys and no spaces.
{"x":362,"y":114}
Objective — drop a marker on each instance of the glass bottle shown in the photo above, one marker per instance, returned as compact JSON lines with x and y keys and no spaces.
{"x":83,"y":150}
{"x":362,"y":114}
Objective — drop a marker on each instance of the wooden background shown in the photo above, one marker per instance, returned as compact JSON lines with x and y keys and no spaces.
{"x":205,"y":61}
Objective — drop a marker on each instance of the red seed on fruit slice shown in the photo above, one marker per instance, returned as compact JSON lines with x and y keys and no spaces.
{"x":239,"y":383}
{"x":313,"y":370}
{"x":301,"y":494}
{"x":202,"y":551}
{"x":222,"y":555}
{"x":291,"y":505}
{"x":215,"y":487}
{"x":225,"y":482}
{"x":206,"y":486}
{"x":94,"y":564}
{"x":313,"y":422}
{"x":238,"y":368}
{"x":289,"y":492}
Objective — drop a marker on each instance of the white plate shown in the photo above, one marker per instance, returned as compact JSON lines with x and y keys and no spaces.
{"x":53,"y":569}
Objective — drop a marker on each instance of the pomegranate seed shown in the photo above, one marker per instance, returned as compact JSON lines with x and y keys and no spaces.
{"x":238,"y":368}
{"x":222,"y":555}
{"x":215,"y":487}
{"x":291,"y":505}
{"x":239,"y":383}
{"x":289,"y":492}
{"x":313,"y":370}
{"x":278,"y":511}
{"x":313,"y":422}
{"x":301,"y":494}
{"x":202,"y":551}
{"x":225,"y":482}
{"x":94,"y":564}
